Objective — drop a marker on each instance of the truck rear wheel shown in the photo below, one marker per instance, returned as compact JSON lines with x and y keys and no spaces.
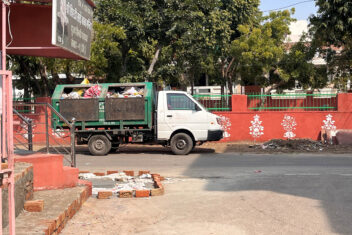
{"x":99,"y":145}
{"x":181,"y":144}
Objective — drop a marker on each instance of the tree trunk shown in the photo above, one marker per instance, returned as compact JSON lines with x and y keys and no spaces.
{"x":192,"y":85}
{"x":26,"y":94}
{"x":124,"y":61}
{"x":70,"y":79}
{"x":229,"y":82}
{"x":44,"y":77}
{"x":155,"y":59}
{"x":56,"y":77}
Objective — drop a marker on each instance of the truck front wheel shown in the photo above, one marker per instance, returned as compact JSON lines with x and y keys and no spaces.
{"x":181,"y":144}
{"x":99,"y":145}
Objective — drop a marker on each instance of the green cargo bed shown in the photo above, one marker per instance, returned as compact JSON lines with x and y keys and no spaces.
{"x":111,"y":109}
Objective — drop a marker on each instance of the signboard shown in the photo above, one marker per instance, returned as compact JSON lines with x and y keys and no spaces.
{"x":72,"y":26}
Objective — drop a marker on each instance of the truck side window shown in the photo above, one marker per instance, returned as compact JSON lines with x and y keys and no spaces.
{"x":179,"y":102}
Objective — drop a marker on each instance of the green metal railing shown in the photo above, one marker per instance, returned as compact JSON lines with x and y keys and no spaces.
{"x":282,"y":102}
{"x":215,"y":102}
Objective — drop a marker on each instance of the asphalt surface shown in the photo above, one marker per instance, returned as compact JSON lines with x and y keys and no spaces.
{"x":269,"y":194}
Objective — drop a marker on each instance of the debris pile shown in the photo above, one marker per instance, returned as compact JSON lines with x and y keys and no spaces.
{"x":119,"y":182}
{"x":78,"y":93}
{"x":295,"y":144}
{"x":96,"y":90}
{"x":126,"y":93}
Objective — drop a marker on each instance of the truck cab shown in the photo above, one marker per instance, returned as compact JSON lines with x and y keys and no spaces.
{"x":181,"y":119}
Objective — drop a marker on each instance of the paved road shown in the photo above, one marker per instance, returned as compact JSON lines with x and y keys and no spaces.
{"x":228,"y":193}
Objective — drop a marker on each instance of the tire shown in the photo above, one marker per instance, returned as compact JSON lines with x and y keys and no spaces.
{"x":181,"y":144}
{"x":99,"y":145}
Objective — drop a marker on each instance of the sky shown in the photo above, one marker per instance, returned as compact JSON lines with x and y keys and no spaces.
{"x":304,"y":9}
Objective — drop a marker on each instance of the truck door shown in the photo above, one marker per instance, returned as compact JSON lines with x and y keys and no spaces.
{"x":181,"y":112}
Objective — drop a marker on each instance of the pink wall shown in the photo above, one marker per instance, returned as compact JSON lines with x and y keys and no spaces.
{"x":308,"y":123}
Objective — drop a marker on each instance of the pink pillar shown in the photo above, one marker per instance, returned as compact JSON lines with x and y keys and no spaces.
{"x":239,"y":103}
{"x":7,"y":131}
{"x":3,"y":136}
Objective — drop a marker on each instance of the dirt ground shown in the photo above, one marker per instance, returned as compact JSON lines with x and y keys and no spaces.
{"x":276,"y":146}
{"x":208,"y":193}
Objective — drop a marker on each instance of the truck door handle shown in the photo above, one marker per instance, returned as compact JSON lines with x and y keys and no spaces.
{"x":168,"y":115}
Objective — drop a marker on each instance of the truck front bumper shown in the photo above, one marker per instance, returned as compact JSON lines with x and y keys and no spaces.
{"x":215,"y":135}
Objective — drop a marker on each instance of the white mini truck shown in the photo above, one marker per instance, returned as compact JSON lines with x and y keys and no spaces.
{"x":135,"y":113}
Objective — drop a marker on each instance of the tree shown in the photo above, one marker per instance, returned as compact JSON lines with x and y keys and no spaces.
{"x":259,"y":49}
{"x":226,"y":29}
{"x":296,"y":66}
{"x":332,"y":26}
{"x":105,"y":46}
{"x":189,"y":32}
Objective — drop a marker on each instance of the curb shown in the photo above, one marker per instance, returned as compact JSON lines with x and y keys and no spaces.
{"x":157,"y":191}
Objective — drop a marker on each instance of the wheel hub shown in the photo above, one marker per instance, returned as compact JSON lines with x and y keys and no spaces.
{"x":181,"y":144}
{"x":99,"y":145}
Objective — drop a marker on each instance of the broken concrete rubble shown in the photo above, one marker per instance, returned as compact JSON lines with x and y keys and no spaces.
{"x":118,"y":183}
{"x":294,"y":144}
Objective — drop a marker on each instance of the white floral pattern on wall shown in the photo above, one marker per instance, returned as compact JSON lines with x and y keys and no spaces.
{"x":256,"y":129}
{"x":226,"y":126}
{"x":289,"y":124}
{"x":329,"y":123}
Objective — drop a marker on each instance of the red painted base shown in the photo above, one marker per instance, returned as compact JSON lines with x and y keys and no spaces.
{"x":49,"y":172}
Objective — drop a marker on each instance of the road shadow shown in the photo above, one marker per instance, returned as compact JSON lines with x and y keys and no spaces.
{"x":323,"y":178}
{"x":125,"y":149}
{"x":142,"y":149}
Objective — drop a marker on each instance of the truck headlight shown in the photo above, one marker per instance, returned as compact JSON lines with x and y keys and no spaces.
{"x":218,"y":120}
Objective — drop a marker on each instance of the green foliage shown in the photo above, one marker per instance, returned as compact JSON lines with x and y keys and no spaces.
{"x":260,"y":48}
{"x":104,"y":45}
{"x":333,"y":23}
{"x":296,"y":67}
{"x":332,"y":26}
{"x":172,"y":39}
{"x":177,"y":43}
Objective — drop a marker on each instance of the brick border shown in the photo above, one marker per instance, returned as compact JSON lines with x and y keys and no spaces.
{"x":157,"y":191}
{"x":56,"y":226}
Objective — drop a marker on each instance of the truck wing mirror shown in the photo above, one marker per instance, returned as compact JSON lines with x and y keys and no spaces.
{"x":197,"y":108}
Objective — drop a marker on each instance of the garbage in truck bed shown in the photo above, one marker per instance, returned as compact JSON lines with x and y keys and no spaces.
{"x":128,"y":92}
{"x":96,"y":90}
{"x":78,"y":93}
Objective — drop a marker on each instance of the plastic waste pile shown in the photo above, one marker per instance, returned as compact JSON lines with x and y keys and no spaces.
{"x":295,"y":144}
{"x":127,"y":93}
{"x":78,"y":93}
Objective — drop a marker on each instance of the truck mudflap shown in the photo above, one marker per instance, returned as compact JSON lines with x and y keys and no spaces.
{"x":215,"y":135}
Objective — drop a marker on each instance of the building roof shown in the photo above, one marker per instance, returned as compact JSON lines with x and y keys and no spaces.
{"x":297,"y":29}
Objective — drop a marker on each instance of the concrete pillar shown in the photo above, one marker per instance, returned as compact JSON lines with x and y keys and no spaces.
{"x":344,"y":102}
{"x":239,"y":103}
